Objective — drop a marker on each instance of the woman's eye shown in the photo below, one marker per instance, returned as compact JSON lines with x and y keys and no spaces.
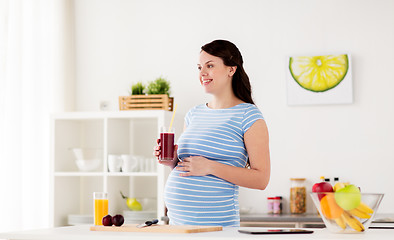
{"x":210,"y":66}
{"x":199,"y":68}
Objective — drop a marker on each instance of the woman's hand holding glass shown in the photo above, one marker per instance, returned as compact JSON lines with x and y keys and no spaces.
{"x":157,"y":152}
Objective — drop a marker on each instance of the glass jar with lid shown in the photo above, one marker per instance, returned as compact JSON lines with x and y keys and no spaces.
{"x":270,"y":205}
{"x":297,"y":196}
{"x":277,"y":205}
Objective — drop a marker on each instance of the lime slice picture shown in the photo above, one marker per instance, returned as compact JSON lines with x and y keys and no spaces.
{"x":319,"y":73}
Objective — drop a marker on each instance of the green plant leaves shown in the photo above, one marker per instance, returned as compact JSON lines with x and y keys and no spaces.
{"x":137,"y":89}
{"x":158,"y":86}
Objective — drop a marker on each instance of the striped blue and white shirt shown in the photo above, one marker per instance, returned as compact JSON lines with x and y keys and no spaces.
{"x":218,"y":135}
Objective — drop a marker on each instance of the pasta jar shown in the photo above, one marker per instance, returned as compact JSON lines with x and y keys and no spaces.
{"x":297,"y":195}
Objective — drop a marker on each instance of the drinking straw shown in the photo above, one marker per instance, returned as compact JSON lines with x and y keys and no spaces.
{"x":172,"y":119}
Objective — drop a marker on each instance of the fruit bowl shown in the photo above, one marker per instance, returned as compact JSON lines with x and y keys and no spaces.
{"x":344,"y":212}
{"x":87,"y":159}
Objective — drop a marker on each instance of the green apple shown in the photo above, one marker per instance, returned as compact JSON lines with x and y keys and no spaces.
{"x":348,"y":197}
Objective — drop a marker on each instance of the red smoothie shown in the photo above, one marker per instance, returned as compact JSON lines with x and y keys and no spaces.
{"x":167,"y":146}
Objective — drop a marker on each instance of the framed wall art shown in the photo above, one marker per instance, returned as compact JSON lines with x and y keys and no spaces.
{"x":325,"y":79}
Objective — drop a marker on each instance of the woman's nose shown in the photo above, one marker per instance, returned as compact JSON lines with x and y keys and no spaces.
{"x":203,"y":72}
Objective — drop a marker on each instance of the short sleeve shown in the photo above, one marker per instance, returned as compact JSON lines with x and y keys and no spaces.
{"x":251,"y":115}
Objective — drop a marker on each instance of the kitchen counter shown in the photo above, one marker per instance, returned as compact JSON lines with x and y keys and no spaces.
{"x":282,"y":217}
{"x":301,"y":220}
{"x":284,"y":220}
{"x":82,"y":232}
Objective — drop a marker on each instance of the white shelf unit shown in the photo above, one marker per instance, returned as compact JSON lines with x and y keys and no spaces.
{"x":121,"y":132}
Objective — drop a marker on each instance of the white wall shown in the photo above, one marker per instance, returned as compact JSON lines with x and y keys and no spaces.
{"x":119,"y":42}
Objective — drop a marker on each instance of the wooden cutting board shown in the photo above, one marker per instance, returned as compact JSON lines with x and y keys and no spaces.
{"x":158,"y":228}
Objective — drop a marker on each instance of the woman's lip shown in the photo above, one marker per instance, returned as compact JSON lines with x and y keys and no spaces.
{"x":206,"y":81}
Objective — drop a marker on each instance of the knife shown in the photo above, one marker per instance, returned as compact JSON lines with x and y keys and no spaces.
{"x":148,"y":223}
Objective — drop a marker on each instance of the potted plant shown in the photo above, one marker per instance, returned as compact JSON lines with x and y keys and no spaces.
{"x":137,"y":89}
{"x":155,"y":96}
{"x":159,"y":86}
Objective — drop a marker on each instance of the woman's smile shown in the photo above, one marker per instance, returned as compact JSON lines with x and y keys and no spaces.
{"x":205,"y":82}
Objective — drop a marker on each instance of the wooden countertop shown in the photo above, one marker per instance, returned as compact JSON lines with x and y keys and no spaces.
{"x":82,"y":232}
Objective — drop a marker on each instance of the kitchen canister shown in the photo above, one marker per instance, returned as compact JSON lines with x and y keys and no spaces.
{"x":297,"y":196}
{"x":270,"y":205}
{"x":277,"y":205}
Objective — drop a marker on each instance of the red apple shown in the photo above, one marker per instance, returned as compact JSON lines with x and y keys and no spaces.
{"x":322,"y":187}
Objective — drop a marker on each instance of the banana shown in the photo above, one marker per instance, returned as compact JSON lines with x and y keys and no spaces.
{"x":341,"y":222}
{"x":353,"y":222}
{"x":364,"y":208}
{"x":338,"y":186}
{"x":358,"y":213}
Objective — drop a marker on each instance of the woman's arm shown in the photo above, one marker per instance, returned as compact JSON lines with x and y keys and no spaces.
{"x":257,"y":177}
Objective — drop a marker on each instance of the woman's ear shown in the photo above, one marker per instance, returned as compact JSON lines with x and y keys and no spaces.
{"x":233,"y":69}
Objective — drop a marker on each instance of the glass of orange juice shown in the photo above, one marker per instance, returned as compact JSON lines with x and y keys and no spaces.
{"x":100,"y":207}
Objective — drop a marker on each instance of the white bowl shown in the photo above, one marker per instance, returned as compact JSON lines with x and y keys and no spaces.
{"x":88,"y":159}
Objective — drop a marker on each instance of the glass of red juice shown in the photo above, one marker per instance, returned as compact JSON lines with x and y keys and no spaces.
{"x":167,"y":144}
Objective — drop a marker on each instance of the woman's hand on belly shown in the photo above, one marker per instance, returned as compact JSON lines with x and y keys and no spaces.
{"x":195,"y":166}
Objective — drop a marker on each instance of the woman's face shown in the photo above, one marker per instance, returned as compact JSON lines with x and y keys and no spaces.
{"x":214,"y":75}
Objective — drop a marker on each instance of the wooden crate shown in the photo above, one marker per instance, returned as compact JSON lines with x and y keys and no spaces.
{"x":146,"y":102}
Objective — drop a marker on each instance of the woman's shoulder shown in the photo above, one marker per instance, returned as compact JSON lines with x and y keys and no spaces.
{"x":252,"y":110}
{"x":251,"y":115}
{"x":249,"y":107}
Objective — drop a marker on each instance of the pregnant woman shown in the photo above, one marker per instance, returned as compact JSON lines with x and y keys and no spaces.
{"x":224,"y":145}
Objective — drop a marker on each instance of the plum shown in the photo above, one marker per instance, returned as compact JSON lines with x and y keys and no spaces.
{"x":118,"y":220}
{"x":107,"y":220}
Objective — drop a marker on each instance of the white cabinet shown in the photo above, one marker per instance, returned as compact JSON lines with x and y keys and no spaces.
{"x":124,"y":132}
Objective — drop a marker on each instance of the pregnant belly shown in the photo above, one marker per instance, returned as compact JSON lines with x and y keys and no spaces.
{"x":196,"y":192}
